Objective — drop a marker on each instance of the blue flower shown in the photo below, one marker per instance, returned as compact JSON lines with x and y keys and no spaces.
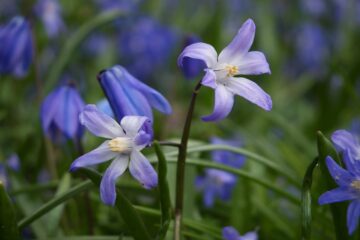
{"x":3,"y":176}
{"x":129,"y":96}
{"x":344,"y":141}
{"x":349,"y":187}
{"x":215,"y":183}
{"x":50,"y":13}
{"x":125,"y":141}
{"x":60,"y":113}
{"x":13,"y":162}
{"x":192,"y":67}
{"x":16,"y":52}
{"x":126,"y":5}
{"x":226,"y":157}
{"x":222,"y":71}
{"x":104,"y":106}
{"x":230,"y":233}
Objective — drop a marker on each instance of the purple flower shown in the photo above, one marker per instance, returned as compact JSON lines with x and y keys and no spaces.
{"x":125,"y":141}
{"x":16,"y":51}
{"x":345,"y":140}
{"x":349,"y":187}
{"x":222,"y":70}
{"x":192,"y":67}
{"x":230,"y":233}
{"x":226,"y":157}
{"x":60,"y":113}
{"x":215,"y":183}
{"x":13,"y":162}
{"x":129,"y":96}
{"x":50,"y":13}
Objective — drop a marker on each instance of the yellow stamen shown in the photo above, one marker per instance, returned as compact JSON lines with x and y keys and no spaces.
{"x":120,"y":145}
{"x":356,"y":184}
{"x":232,"y":70}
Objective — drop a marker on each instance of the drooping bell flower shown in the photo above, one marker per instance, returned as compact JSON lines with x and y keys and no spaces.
{"x":16,"y":51}
{"x":226,"y":157}
{"x":60,"y":114}
{"x":230,"y":233}
{"x":49,"y":11}
{"x":129,"y":96}
{"x":223,"y":71}
{"x":123,"y":145}
{"x":215,"y":184}
{"x":192,"y":67}
{"x":348,"y":181}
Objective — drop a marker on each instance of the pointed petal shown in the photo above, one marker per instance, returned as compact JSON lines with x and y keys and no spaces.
{"x":341,"y":176}
{"x":345,"y":140}
{"x":240,"y":45}
{"x":249,"y":236}
{"x":108,"y":181}
{"x":352,"y":165}
{"x":202,"y":51}
{"x":336,"y":195}
{"x":96,"y":156}
{"x":230,"y":233}
{"x":141,"y":169}
{"x":250,"y":91}
{"x":224,"y":101}
{"x":353,"y":214}
{"x":99,"y":123}
{"x":209,"y":79}
{"x":48,"y":112}
{"x":132,"y":124}
{"x":253,"y":63}
{"x":155,"y":99}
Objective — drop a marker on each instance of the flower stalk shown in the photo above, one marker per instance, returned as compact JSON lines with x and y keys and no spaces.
{"x":180,"y":169}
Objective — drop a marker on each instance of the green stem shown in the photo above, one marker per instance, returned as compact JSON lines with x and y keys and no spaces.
{"x":180,"y":170}
{"x":55,"y":202}
{"x":74,"y":41}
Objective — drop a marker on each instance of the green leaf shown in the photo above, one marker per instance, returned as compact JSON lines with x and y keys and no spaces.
{"x":8,"y":227}
{"x":131,"y":217}
{"x":338,"y":210}
{"x":165,"y":201}
{"x":306,"y":201}
{"x":47,"y":207}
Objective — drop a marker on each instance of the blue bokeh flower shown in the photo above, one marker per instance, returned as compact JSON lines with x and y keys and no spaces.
{"x":344,"y":140}
{"x":226,"y":157}
{"x":125,"y":141}
{"x":60,"y":114}
{"x":49,"y":11}
{"x":230,"y":233}
{"x":129,"y":96}
{"x":222,"y":71}
{"x":16,"y":51}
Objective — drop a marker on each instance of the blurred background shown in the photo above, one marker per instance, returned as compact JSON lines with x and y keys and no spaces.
{"x":313,"y":50}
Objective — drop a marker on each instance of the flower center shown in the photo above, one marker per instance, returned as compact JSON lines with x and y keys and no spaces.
{"x":355,"y":184}
{"x":121,"y":145}
{"x":231,"y":70}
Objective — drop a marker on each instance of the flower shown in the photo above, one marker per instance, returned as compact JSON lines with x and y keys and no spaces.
{"x":349,"y":187}
{"x":345,"y":140}
{"x":215,"y":183}
{"x":129,"y":96}
{"x":222,"y":71}
{"x":124,"y":145}
{"x":50,"y":13}
{"x":226,"y":157}
{"x":192,"y":67}
{"x":16,"y":52}
{"x":230,"y":233}
{"x":104,"y":106}
{"x":60,"y":113}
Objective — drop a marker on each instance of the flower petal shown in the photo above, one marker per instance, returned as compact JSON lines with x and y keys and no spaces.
{"x":341,"y":176}
{"x":230,"y":233}
{"x":345,"y":140}
{"x":132,"y":124}
{"x":250,"y":91}
{"x":96,"y":156}
{"x":209,"y":80}
{"x":240,"y":45}
{"x":336,"y":195}
{"x":141,"y":169}
{"x":108,"y":181}
{"x":352,"y":165}
{"x":202,"y":51}
{"x":224,"y":101}
{"x":99,"y":123}
{"x":250,"y":236}
{"x":209,"y":195}
{"x":353,"y":214}
{"x":253,"y":63}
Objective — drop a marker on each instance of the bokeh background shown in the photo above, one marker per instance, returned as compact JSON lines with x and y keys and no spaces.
{"x":313,"y":50}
